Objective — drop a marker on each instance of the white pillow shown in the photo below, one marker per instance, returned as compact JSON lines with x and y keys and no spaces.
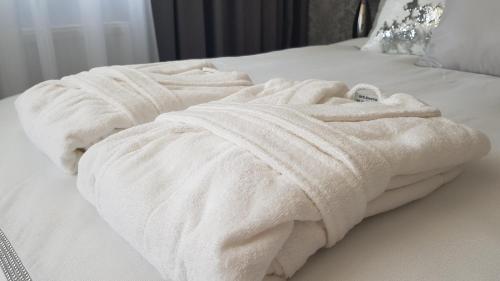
{"x":467,"y":38}
{"x":404,"y":26}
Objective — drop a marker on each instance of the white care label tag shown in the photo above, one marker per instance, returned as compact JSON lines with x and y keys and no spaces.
{"x":365,"y":95}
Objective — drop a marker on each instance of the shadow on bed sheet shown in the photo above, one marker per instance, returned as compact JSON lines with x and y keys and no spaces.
{"x":450,"y":235}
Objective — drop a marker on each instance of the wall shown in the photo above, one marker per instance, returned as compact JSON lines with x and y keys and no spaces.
{"x":331,"y":21}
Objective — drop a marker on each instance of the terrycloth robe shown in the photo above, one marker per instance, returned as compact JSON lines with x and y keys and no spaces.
{"x":249,"y":187}
{"x":65,"y":117}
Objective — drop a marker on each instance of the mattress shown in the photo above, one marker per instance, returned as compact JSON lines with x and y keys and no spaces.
{"x":453,"y":234}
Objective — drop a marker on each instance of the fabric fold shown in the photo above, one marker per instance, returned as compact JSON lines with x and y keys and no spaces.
{"x":65,"y":117}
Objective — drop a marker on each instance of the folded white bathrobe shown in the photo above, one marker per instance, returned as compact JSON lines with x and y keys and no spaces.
{"x":65,"y":117}
{"x":249,"y":187}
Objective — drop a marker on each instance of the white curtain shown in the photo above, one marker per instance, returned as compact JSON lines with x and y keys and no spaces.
{"x":48,"y":39}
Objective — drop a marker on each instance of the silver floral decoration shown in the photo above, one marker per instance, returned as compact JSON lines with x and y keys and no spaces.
{"x":413,"y":32}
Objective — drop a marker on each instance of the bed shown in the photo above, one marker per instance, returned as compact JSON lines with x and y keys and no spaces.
{"x":453,"y":234}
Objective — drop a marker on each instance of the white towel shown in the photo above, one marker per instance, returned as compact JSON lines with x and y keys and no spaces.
{"x":65,"y":117}
{"x":249,"y":187}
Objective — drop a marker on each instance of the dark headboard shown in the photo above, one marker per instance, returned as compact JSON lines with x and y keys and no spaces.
{"x":331,"y":21}
{"x":211,"y":28}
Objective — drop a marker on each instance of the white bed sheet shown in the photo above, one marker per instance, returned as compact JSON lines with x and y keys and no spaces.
{"x":453,"y":234}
